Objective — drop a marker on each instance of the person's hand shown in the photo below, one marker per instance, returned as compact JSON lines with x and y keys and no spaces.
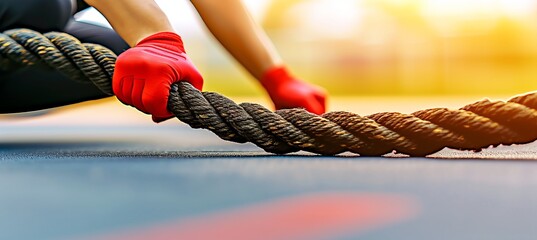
{"x":289,"y":92}
{"x":144,"y":73}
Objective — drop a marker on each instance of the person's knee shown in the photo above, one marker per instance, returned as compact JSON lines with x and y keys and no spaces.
{"x":39,"y":15}
{"x":91,"y":33}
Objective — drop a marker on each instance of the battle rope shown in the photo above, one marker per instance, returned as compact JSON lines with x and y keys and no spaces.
{"x":473,"y":127}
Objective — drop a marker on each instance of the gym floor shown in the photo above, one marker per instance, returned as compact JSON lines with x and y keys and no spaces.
{"x":104,"y":171}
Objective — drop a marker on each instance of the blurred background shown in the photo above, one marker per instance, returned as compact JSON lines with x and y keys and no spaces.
{"x":379,"y":47}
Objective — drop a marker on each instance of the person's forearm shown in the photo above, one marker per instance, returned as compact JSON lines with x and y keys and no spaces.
{"x":133,"y":20}
{"x":232,"y":25}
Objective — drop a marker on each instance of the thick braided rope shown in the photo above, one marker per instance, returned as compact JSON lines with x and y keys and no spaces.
{"x":473,"y":127}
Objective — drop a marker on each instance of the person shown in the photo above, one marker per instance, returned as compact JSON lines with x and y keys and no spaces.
{"x":151,"y":55}
{"x":36,"y":88}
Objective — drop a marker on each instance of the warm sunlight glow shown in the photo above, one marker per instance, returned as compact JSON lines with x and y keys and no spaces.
{"x":369,"y":47}
{"x":333,"y":19}
{"x":475,"y":16}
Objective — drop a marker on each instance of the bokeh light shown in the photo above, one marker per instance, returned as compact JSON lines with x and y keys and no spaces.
{"x":381,"y":47}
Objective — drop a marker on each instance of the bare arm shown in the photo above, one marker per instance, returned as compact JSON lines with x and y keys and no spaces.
{"x":246,"y":41}
{"x":143,"y":74}
{"x":232,"y":25}
{"x":133,"y":20}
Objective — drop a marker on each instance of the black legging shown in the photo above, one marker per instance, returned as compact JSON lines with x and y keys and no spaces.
{"x":35,"y":88}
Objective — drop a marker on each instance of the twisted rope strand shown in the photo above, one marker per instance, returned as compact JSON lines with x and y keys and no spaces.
{"x":473,"y":127}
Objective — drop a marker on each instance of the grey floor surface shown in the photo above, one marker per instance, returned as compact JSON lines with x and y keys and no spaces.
{"x":70,"y":182}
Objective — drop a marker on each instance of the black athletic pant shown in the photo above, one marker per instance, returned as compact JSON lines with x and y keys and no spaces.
{"x":35,"y":88}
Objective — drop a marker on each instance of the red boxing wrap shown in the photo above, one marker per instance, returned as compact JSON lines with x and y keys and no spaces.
{"x":144,"y":73}
{"x":289,"y":92}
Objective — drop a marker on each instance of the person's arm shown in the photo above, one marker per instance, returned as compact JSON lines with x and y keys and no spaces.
{"x":133,"y":20}
{"x":230,"y":22}
{"x":143,"y":74}
{"x":232,"y":25}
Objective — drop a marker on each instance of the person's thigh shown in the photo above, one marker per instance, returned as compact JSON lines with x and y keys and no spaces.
{"x":33,"y":89}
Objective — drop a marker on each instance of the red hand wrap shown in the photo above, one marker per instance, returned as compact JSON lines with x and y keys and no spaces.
{"x":144,"y":73}
{"x":288,"y":92}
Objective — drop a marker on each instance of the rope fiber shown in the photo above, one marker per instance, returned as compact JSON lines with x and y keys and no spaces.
{"x":473,"y":127}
